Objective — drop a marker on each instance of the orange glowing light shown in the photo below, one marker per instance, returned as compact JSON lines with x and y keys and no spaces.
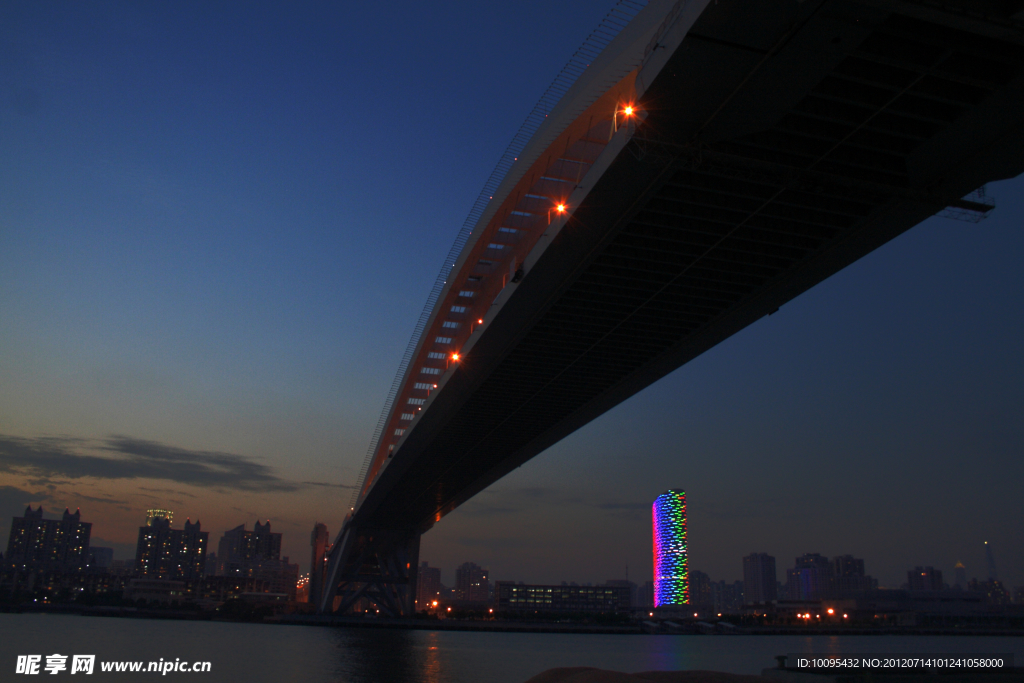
{"x":449,"y":609}
{"x":844,"y":616}
{"x":455,"y":356}
{"x":831,"y":611}
{"x":480,"y":321}
{"x":628,"y":111}
{"x":560,"y":208}
{"x":435,"y":603}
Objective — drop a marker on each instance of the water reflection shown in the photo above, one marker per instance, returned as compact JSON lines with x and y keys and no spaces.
{"x":432,"y":658}
{"x":370,"y":655}
{"x":313,"y":654}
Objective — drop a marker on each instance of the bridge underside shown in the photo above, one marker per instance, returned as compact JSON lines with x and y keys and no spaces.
{"x":783,"y":140}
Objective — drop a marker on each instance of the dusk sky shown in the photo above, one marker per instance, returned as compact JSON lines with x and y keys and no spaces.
{"x":219,"y":224}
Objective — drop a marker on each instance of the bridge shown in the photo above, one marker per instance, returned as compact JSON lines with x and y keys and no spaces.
{"x":696,"y":166}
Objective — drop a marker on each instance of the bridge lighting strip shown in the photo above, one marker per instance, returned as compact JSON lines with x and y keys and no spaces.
{"x":671,"y":567}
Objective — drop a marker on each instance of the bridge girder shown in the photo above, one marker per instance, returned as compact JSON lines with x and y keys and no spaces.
{"x":780,"y":142}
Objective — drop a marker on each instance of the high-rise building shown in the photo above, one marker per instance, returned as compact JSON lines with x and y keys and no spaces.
{"x":849,"y":577}
{"x":671,"y":568}
{"x":257,"y":554}
{"x":240,"y":550}
{"x":701,"y":595}
{"x":428,"y":585}
{"x":759,"y":579}
{"x":994,"y":591}
{"x":320,"y":543}
{"x":810,"y":579}
{"x":48,"y":544}
{"x":924,"y":579}
{"x":100,"y":558}
{"x":728,"y":597}
{"x":990,"y":563}
{"x":645,"y":595}
{"x":471,"y":584}
{"x":156,"y":513}
{"x":210,"y":568}
{"x":960,"y":576}
{"x":173,"y":554}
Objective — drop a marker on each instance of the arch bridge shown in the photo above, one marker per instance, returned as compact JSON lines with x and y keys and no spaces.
{"x":710,"y":163}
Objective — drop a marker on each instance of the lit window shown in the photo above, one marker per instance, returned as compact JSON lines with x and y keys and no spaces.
{"x":435,"y":355}
{"x":408,"y":416}
{"x":399,"y":432}
{"x":458,"y":309}
{"x":510,"y":231}
{"x":450,"y":325}
{"x":431,"y":371}
{"x":423,"y":386}
{"x":443,"y":340}
{"x":466,"y":293}
{"x":417,"y":401}
{"x":495,"y":245}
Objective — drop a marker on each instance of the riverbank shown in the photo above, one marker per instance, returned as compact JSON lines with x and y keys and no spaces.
{"x":646,"y":627}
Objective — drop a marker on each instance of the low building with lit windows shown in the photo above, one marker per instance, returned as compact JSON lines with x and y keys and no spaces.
{"x":518,"y":597}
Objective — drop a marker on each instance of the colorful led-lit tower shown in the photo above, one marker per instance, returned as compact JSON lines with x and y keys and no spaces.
{"x":671,"y":571}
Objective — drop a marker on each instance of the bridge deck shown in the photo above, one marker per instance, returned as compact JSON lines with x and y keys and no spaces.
{"x":781,"y":142}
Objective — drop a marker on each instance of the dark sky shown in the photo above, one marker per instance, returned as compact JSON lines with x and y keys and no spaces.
{"x":218,"y":225}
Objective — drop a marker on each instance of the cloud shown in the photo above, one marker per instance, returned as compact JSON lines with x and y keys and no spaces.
{"x":177,"y":493}
{"x":13,"y":498}
{"x":625,"y":507}
{"x":321,"y":483}
{"x":124,"y":457}
{"x":94,"y":499}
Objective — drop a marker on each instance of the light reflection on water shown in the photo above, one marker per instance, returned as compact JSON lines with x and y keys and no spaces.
{"x":309,"y":654}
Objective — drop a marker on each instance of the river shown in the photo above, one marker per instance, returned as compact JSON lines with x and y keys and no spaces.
{"x":240,"y":652}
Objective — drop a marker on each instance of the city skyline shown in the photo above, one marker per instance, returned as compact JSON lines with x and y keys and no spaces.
{"x":212,"y":281}
{"x":240,"y":552}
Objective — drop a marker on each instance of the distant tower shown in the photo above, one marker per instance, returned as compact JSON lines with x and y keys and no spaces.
{"x":321,"y":546}
{"x":759,"y":578}
{"x":990,"y":561}
{"x":960,"y":572}
{"x":671,"y":570}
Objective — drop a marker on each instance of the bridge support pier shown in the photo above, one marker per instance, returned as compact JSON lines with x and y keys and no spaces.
{"x":372,"y":569}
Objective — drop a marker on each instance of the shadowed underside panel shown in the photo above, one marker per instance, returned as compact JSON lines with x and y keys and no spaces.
{"x":738,"y":192}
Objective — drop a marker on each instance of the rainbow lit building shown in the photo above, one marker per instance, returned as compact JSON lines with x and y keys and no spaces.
{"x":671,"y":570}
